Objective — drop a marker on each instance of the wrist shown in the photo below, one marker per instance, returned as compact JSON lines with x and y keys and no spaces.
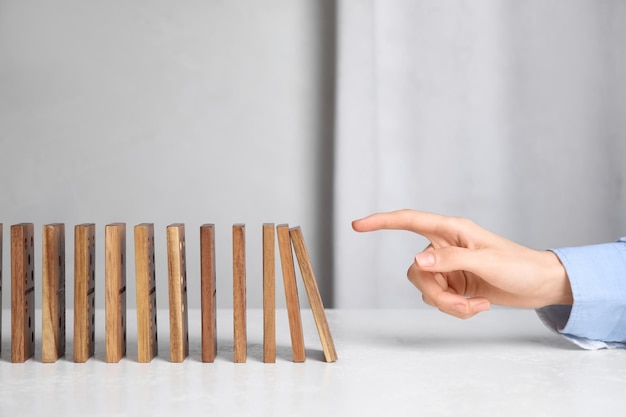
{"x":560,"y":290}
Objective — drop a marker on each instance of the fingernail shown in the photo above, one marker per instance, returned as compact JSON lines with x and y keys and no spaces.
{"x":460,"y":308}
{"x":425,"y":259}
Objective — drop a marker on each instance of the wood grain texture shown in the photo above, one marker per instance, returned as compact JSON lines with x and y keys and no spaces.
{"x":239,"y":293}
{"x":145,"y":277}
{"x":53,"y":293}
{"x":177,"y":285}
{"x":315,"y":300}
{"x":84,"y":291}
{"x":115,"y":292}
{"x":269,"y":294}
{"x":291,"y":293}
{"x":207,"y":292}
{"x":22,"y":292}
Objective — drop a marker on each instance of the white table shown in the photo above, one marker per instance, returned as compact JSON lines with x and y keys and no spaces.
{"x":391,"y":362}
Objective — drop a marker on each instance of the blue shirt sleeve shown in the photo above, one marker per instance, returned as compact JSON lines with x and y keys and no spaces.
{"x":597,"y":274}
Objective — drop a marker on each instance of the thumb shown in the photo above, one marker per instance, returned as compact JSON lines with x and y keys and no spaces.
{"x":453,"y":258}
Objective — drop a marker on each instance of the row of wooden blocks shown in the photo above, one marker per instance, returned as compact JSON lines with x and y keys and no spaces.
{"x":53,"y":292}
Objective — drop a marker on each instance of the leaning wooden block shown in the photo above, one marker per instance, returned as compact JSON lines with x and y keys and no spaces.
{"x":269,"y":294}
{"x":22,"y":292}
{"x":115,"y":292}
{"x":145,"y":277}
{"x":84,"y":291}
{"x":207,"y":292}
{"x":291,"y":293}
{"x":239,"y":293}
{"x":177,"y":285}
{"x":53,"y":293}
{"x":315,"y":300}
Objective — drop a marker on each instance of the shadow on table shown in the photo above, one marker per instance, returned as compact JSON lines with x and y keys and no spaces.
{"x":254,"y":352}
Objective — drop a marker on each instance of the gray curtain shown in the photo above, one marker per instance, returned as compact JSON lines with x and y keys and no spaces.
{"x":509,"y":113}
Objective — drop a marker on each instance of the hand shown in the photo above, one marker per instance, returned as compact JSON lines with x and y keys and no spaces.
{"x":467,"y":268}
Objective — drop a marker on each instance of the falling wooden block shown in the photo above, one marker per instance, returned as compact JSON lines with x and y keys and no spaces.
{"x":207,"y":292}
{"x":22,"y":292}
{"x":239,"y":293}
{"x":291,"y":293}
{"x":145,"y":276}
{"x":84,"y":291}
{"x":315,"y":300}
{"x":53,"y":293}
{"x":269,"y":294}
{"x":177,"y":285}
{"x":115,"y":292}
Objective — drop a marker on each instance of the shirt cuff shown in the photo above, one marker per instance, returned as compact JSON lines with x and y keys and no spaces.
{"x":597,"y":275}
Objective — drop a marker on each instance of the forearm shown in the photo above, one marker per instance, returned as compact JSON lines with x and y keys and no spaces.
{"x":597,"y":275}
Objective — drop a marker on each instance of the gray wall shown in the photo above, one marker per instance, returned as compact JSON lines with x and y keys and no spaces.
{"x":165,"y":112}
{"x":510,"y":113}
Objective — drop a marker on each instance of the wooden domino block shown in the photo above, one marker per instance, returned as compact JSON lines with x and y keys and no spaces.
{"x":269,"y":294}
{"x":115,"y":292}
{"x":145,"y":276}
{"x":177,"y":285}
{"x":207,"y":292}
{"x":239,"y":293}
{"x":84,"y":291}
{"x":315,"y":300}
{"x":291,"y":293}
{"x":22,"y":292}
{"x":53,"y":293}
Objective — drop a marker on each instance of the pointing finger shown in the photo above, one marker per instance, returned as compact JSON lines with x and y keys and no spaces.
{"x":433,"y":226}
{"x":415,"y":221}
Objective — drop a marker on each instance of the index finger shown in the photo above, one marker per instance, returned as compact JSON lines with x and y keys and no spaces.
{"x":420,"y":222}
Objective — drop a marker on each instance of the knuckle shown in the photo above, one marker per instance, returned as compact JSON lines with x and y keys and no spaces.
{"x":412,"y":273}
{"x":461,"y":223}
{"x":406,"y":216}
{"x":427,"y":300}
